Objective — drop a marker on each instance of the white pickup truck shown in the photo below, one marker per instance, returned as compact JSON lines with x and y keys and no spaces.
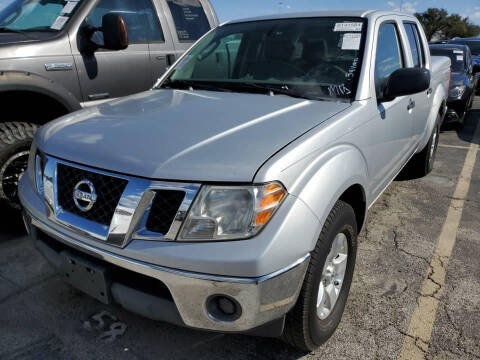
{"x":229,"y":197}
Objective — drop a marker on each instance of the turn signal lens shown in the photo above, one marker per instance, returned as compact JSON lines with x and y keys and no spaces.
{"x":263,"y":217}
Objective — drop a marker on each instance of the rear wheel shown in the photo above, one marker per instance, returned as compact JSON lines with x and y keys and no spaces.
{"x":324,"y":293}
{"x":422,"y":163}
{"x":15,"y":141}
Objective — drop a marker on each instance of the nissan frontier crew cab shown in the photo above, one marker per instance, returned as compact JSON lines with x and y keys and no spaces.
{"x":229,"y":198}
{"x":57,"y":56}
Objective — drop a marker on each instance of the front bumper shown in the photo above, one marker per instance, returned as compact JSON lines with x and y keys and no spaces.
{"x":262,"y":300}
{"x":456,"y":110}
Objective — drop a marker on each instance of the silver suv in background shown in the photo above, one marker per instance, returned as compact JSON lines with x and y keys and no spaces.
{"x":59,"y":56}
{"x":229,"y":197}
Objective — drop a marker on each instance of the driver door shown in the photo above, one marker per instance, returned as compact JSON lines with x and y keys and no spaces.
{"x":110,"y":74}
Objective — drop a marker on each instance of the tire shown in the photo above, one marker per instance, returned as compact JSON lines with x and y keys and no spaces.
{"x":304,"y":328}
{"x":422,"y":163}
{"x":15,"y":141}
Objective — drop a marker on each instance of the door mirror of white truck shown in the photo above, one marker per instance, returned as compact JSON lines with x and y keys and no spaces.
{"x":115,"y":36}
{"x":406,"y":81}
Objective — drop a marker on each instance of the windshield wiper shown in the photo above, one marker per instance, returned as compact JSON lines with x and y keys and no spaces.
{"x":196,"y":85}
{"x":8,"y":30}
{"x":278,"y":90}
{"x":14,"y":31}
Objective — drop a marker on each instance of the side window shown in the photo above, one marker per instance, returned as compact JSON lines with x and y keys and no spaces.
{"x":389,"y":56}
{"x":414,"y":45}
{"x":190,"y":19}
{"x":139,"y":15}
{"x":420,"y":44}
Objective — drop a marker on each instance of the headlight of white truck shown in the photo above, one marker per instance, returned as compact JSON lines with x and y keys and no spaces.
{"x":457,"y":91}
{"x":231,"y":212}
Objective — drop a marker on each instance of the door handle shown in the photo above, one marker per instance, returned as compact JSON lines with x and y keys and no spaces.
{"x":429,"y":91}
{"x":411,"y":105}
{"x":170,"y":59}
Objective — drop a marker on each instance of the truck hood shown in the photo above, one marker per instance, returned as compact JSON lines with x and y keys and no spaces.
{"x":184,"y":135}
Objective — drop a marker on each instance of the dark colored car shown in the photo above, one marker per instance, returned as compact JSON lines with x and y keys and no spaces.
{"x":463,"y":81}
{"x":474,"y":45}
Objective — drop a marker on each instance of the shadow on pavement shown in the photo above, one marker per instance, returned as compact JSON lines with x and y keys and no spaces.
{"x":467,"y":131}
{"x":11,"y":224}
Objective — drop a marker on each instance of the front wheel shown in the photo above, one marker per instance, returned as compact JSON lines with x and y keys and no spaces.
{"x":324,"y":293}
{"x":15,"y":141}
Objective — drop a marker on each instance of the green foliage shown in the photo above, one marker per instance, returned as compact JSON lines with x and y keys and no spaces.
{"x":439,"y":24}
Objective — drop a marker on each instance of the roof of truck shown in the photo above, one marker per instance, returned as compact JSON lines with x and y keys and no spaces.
{"x":310,"y":14}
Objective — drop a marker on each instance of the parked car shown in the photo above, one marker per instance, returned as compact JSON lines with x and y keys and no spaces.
{"x":229,"y":197}
{"x":463,"y":82}
{"x":474,"y":45}
{"x":57,"y":57}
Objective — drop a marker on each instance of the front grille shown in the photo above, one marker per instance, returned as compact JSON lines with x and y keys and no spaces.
{"x":109,"y":191}
{"x":164,"y":208}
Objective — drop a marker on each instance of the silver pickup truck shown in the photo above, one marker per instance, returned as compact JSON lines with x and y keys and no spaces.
{"x":229,"y":197}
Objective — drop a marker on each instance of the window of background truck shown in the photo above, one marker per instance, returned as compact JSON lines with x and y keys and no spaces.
{"x":389,"y":56}
{"x":414,"y":44}
{"x":457,"y":57}
{"x":190,"y":19}
{"x":315,"y":58}
{"x":139,"y":15}
{"x":37,"y":15}
{"x":473,"y":45}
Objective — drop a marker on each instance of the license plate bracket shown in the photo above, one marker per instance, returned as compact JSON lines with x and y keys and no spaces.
{"x":86,"y":276}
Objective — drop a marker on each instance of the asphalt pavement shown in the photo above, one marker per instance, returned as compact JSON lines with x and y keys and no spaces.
{"x":415,"y":293}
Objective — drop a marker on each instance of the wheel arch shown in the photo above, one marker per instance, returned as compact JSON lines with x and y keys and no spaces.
{"x":23,"y":94}
{"x":341,"y":173}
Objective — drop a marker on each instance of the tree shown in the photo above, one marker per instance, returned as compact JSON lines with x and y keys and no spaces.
{"x":433,"y":21}
{"x":438,"y":23}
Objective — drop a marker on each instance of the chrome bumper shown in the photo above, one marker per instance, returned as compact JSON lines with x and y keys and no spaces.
{"x":261,"y":299}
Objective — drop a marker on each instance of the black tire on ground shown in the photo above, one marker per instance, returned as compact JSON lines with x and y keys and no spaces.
{"x":422,"y":163}
{"x":15,"y":140}
{"x":303,"y":328}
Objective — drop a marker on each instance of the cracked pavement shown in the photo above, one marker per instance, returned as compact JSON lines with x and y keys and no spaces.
{"x":41,"y":317}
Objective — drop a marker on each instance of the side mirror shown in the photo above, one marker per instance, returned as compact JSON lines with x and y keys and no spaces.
{"x":114,"y":30}
{"x":476,"y":68}
{"x":406,"y":81}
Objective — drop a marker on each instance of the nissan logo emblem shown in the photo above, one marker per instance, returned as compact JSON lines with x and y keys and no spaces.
{"x":84,"y":195}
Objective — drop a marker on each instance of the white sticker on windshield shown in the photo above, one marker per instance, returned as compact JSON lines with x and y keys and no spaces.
{"x":458,"y":52}
{"x":68,"y":8}
{"x":351,"y":41}
{"x":59,"y":23}
{"x":348,"y":26}
{"x":459,"y":57}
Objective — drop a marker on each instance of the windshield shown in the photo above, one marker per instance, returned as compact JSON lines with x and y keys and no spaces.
{"x":314,"y":58}
{"x":36,"y":15}
{"x":457,"y":57}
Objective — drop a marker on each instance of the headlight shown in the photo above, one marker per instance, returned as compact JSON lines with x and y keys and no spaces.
{"x":457,"y":91}
{"x":36,"y":166}
{"x":231,"y":212}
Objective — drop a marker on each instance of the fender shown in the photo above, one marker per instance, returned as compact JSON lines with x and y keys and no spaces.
{"x":438,"y":105}
{"x":320,"y":179}
{"x":326,"y":178}
{"x":26,"y":81}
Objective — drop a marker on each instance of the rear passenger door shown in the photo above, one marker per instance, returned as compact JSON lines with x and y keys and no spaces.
{"x":390,"y":145}
{"x":189,"y":20}
{"x":423,"y":100}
